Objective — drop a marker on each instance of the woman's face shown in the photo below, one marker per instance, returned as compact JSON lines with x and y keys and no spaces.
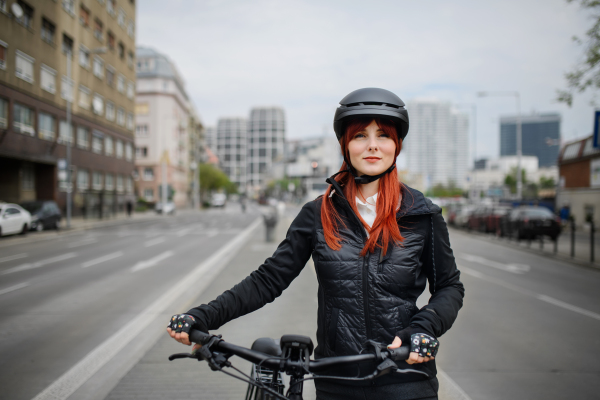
{"x":371,"y":151}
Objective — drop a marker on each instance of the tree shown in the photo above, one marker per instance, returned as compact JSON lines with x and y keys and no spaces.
{"x":213,"y":179}
{"x":586,"y":74}
{"x":547,"y":183}
{"x":510,"y":179}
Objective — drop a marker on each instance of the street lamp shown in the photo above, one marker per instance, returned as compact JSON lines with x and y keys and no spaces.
{"x":473,"y":107}
{"x":517,"y":97}
{"x":99,"y":50}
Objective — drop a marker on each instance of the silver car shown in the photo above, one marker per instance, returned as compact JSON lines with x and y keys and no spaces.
{"x":13,"y":219}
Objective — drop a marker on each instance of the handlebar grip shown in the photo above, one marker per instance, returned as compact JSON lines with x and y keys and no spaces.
{"x":399,"y":354}
{"x":200,"y":337}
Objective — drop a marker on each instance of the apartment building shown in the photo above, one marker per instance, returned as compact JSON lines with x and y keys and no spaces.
{"x":231,"y":149}
{"x":53,"y":53}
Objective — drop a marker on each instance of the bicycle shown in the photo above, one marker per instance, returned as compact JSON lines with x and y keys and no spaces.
{"x":290,"y":356}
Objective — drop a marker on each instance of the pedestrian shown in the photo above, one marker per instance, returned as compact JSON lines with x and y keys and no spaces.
{"x":129,"y":207}
{"x":375,"y":244}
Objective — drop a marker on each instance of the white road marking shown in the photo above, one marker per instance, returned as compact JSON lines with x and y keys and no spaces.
{"x":449,"y":389}
{"x":154,"y":242}
{"x":13,"y":288}
{"x":81,"y":243}
{"x":184,"y":232}
{"x":151,"y":262}
{"x":514,"y":268}
{"x":200,"y":277}
{"x":102,"y":259}
{"x":24,"y":267}
{"x":15,"y":257}
{"x":529,"y":293}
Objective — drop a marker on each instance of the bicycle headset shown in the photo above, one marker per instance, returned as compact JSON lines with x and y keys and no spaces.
{"x":370,"y":102}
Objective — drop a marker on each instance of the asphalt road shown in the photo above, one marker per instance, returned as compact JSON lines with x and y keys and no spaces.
{"x":528,"y":330}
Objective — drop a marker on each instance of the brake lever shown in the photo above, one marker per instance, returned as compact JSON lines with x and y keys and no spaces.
{"x":182,"y":355}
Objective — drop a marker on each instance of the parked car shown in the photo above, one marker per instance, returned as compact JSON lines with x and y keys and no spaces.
{"x":13,"y":219}
{"x":531,"y":222}
{"x":169,"y":208}
{"x":476,"y":221}
{"x":45,"y":214}
{"x":218,"y":200}
{"x":494,"y":219}
{"x":462,"y":216}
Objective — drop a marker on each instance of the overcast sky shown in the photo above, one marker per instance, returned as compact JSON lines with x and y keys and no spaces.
{"x":307,"y":55}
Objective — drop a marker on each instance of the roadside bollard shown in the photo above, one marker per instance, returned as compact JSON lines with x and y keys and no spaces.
{"x":592,"y":230}
{"x":270,"y":220}
{"x":573,"y":238}
{"x":556,"y":245}
{"x":541,"y":242}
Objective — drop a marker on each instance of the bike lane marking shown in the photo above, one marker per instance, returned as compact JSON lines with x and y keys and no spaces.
{"x":25,"y":267}
{"x":102,"y":259}
{"x":200,"y":277}
{"x":542,"y":297}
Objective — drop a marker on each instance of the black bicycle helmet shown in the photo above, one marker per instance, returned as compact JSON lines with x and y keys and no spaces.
{"x":371,"y":102}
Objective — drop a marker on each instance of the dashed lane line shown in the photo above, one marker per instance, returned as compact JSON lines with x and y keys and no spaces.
{"x":13,"y":288}
{"x":83,"y":242}
{"x":102,"y":259}
{"x":11,"y":258}
{"x":154,"y":242}
{"x":514,"y":268}
{"x":25,"y":267}
{"x":151,"y":262}
{"x":542,"y":297}
{"x":200,"y":277}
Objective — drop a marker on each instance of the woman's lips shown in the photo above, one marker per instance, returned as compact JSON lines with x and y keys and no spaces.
{"x":371,"y":159}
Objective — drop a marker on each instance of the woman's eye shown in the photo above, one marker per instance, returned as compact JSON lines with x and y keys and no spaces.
{"x":385,"y":135}
{"x":359,"y":135}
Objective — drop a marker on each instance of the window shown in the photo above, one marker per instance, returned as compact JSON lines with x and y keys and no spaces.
{"x":84,"y":97}
{"x":97,"y":144}
{"x":110,"y":76}
{"x":48,"y":31}
{"x":110,"y":7}
{"x":3,"y":53}
{"x":128,"y":152}
{"x":108,"y":146}
{"x":98,"y":29}
{"x":24,"y":66}
{"x":109,"y":182}
{"x":130,"y":29}
{"x":98,"y":104}
{"x":141,"y":130}
{"x":111,"y":40}
{"x":120,"y":116}
{"x":83,"y":179}
{"x":27,"y":19}
{"x":130,"y":123}
{"x":3,"y":6}
{"x":119,"y":148}
{"x":48,"y":79}
{"x":148,"y":174}
{"x":130,"y":90}
{"x":121,"y":50}
{"x":46,"y":126}
{"x":84,"y":16}
{"x":23,"y":119}
{"x":69,"y":6}
{"x":66,"y":88}
{"x":129,"y":182}
{"x":83,"y":138}
{"x":67,"y":44}
{"x":142,"y":108}
{"x":65,"y":133}
{"x":149,"y":194}
{"x":121,"y":18}
{"x":121,"y":83}
{"x":110,"y":111}
{"x":98,"y":67}
{"x":141,"y":152}
{"x":28,"y":177}
{"x":84,"y":56}
{"x":97,"y":180}
{"x":119,"y":183}
{"x":130,"y":59}
{"x":3,"y":113}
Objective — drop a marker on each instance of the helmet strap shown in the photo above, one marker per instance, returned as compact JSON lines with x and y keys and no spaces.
{"x":363,"y":179}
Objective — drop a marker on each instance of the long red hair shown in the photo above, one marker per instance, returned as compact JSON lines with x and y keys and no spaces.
{"x":385,"y":227}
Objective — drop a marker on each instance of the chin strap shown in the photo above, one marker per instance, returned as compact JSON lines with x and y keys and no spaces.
{"x":362,"y":179}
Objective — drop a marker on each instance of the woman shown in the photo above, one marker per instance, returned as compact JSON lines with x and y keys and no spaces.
{"x":374,"y":245}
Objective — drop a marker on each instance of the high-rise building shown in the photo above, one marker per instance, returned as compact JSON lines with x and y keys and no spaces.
{"x":437,"y":145}
{"x":37,"y":40}
{"x":540,"y":135}
{"x":210,"y":138}
{"x":232,"y":150}
{"x":266,"y":143}
{"x":163,"y":130}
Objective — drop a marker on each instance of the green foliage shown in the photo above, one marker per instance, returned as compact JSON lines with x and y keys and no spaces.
{"x":213,"y":179}
{"x":547,"y":183}
{"x":276,"y":187}
{"x":586,"y":74}
{"x":440,"y":190}
{"x":510,"y":179}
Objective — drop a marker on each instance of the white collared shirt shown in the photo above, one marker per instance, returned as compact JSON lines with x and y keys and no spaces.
{"x":368,"y":209}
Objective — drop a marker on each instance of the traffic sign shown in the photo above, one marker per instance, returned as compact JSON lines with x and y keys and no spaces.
{"x":596,"y":128}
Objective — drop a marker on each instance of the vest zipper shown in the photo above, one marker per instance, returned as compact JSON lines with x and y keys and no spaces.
{"x":366,"y":295}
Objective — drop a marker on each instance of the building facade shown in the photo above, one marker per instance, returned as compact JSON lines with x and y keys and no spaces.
{"x":37,"y":41}
{"x":164,"y":134}
{"x":437,"y":145}
{"x":266,"y":144}
{"x":540,"y":135}
{"x":232,"y":149}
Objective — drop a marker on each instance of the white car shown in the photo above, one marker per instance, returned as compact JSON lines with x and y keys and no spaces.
{"x":13,"y":219}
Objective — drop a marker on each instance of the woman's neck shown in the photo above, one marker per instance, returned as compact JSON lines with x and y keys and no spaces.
{"x":369,"y":189}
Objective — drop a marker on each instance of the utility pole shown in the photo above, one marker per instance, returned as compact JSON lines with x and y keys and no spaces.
{"x":69,"y":138}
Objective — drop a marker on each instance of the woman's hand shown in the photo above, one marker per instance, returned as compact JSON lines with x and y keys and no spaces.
{"x":179,"y":327}
{"x":415,"y":356}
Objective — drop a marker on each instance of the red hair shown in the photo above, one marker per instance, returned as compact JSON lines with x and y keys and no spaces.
{"x":385,"y":227}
